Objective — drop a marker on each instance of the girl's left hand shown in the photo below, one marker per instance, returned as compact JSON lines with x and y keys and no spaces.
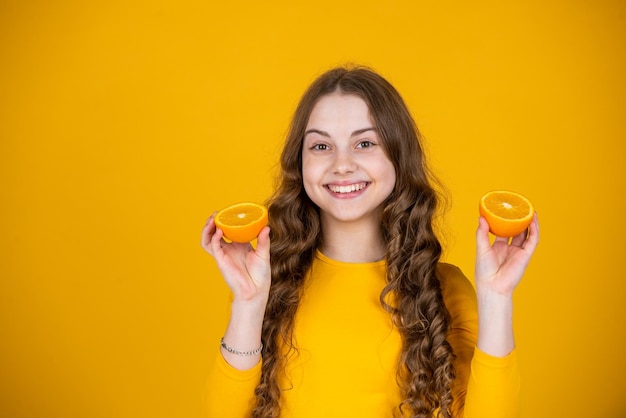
{"x":501,"y":265}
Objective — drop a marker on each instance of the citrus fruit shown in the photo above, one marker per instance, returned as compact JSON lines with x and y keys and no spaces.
{"x":508,"y":213}
{"x":242,"y":222}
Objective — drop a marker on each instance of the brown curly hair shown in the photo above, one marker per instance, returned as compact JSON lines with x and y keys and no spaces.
{"x":413,"y":292}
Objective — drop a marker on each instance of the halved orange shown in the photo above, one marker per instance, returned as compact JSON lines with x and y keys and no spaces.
{"x":508,"y":213}
{"x":242,"y":222}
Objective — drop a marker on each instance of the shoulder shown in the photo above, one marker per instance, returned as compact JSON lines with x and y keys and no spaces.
{"x":453,"y":280}
{"x":458,"y":292}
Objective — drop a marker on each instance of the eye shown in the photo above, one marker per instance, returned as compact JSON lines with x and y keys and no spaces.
{"x":365,"y":144}
{"x":319,"y":147}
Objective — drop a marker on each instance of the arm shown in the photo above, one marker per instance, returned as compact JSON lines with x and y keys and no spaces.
{"x":247,"y":274}
{"x":493,"y":387}
{"x":499,"y":269}
{"x":233,"y":378}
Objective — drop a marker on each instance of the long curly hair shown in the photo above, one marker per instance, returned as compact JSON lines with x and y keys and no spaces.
{"x":412,"y":294}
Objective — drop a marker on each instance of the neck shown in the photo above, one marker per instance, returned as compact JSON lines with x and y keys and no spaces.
{"x":353,"y":243}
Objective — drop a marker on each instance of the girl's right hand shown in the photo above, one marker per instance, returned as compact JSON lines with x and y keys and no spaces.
{"x":245,"y":270}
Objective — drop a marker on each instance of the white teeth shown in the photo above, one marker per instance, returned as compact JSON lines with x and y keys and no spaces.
{"x":347,"y":189}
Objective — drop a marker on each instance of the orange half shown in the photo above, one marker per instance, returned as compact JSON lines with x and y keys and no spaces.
{"x":242,"y":222}
{"x":508,"y":213}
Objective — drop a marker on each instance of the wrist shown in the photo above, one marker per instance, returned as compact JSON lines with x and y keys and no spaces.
{"x":493,"y":297}
{"x":494,"y":288}
{"x":242,"y":353}
{"x":241,"y":344}
{"x":249,"y":307}
{"x":248,"y":314}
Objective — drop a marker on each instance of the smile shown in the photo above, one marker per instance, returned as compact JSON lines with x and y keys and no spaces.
{"x":350,"y":188}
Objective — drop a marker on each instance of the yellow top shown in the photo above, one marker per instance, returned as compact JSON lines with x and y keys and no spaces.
{"x":348,"y":349}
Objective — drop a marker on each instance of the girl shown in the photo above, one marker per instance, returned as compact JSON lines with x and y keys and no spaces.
{"x":344,"y":308}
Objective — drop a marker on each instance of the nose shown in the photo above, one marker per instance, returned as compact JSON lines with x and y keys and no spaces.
{"x":344,"y":162}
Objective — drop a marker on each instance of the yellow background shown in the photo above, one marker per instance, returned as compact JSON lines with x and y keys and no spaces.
{"x":123,"y":125}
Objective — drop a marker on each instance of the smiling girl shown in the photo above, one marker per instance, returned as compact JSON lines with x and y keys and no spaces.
{"x":344,"y":308}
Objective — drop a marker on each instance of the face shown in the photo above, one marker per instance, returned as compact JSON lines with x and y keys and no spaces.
{"x":345,"y":170}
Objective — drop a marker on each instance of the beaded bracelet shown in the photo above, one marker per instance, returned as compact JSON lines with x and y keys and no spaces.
{"x":241,"y":353}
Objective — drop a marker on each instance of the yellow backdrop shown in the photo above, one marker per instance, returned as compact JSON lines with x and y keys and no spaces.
{"x":123,"y":125}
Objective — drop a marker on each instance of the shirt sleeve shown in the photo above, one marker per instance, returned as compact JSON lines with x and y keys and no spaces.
{"x":230,"y":392}
{"x":494,"y":385}
{"x":485,"y":386}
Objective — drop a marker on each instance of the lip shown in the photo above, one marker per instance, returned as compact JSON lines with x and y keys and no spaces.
{"x":346,"y":190}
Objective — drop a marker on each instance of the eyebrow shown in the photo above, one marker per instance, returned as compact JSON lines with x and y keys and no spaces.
{"x":327,"y":135}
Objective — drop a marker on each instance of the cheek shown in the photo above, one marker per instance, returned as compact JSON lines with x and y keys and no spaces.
{"x":312,"y":168}
{"x":386,"y":170}
{"x":392,"y":180}
{"x":389,"y":173}
{"x":310,"y":175}
{"x":306,"y":170}
{"x":311,"y":187}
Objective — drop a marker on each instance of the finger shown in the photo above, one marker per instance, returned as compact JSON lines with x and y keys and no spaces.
{"x":482,"y":236}
{"x":533,"y":235}
{"x":263,"y":243}
{"x":501,"y":241}
{"x":208,"y":231}
{"x":216,"y":243}
{"x":519,"y":239}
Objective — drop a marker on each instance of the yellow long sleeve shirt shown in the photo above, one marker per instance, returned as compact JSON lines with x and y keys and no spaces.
{"x":348,"y":350}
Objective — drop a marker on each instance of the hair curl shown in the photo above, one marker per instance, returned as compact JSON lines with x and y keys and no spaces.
{"x":413,"y":292}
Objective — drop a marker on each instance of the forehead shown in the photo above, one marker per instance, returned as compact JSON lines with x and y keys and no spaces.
{"x":340,"y":108}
